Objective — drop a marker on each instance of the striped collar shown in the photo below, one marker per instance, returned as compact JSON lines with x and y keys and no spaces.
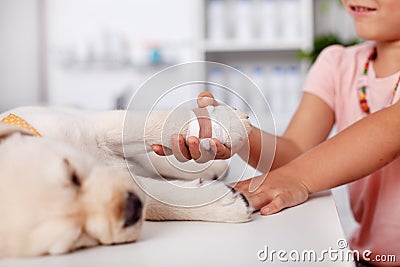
{"x":15,"y":120}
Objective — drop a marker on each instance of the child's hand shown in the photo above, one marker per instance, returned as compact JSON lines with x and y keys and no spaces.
{"x":275,"y":193}
{"x":190,"y":149}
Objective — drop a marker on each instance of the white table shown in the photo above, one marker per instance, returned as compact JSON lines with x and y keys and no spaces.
{"x":313,"y":225}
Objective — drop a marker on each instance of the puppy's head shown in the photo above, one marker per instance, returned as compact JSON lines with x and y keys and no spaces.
{"x":54,"y":199}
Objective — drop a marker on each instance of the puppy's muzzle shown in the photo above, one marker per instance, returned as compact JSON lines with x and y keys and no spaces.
{"x":133,"y":209}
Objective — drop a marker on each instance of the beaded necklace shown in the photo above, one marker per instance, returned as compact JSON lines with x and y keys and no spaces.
{"x":364,"y":83}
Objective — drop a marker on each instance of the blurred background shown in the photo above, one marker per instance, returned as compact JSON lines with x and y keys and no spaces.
{"x":95,"y":53}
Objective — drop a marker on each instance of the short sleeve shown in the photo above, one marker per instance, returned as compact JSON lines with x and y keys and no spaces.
{"x":321,"y":78}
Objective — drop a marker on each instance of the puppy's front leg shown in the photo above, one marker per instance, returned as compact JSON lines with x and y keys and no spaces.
{"x":143,"y":129}
{"x":131,"y":133}
{"x":229,"y":126}
{"x":194,"y":201}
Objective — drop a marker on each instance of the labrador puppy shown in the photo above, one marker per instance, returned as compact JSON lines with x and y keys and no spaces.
{"x":90,"y":178}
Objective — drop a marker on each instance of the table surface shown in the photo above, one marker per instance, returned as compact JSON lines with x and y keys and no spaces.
{"x":313,"y":225}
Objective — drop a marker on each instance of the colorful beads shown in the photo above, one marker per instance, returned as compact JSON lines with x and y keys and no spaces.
{"x":364,"y":84}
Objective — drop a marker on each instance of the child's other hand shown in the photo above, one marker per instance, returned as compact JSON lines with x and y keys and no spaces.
{"x":276,"y":192}
{"x":185,"y":150}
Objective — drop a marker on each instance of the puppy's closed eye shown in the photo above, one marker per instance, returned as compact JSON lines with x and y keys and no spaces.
{"x":73,"y":176}
{"x":75,"y":179}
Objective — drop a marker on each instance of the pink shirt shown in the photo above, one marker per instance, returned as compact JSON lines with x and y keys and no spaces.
{"x":375,"y":199}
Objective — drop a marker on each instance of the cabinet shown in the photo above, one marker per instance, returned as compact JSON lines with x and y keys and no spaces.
{"x":260,"y":38}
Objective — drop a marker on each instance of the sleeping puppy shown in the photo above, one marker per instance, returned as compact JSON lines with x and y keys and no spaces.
{"x":65,"y":183}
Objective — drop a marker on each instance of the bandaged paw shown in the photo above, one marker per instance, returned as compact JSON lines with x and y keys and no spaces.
{"x":223,"y":123}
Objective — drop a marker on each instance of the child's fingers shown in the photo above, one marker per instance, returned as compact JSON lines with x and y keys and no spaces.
{"x":278,"y":203}
{"x":256,"y":200}
{"x":206,"y":99}
{"x":220,"y":151}
{"x":242,"y":185}
{"x":179,"y":148}
{"x":206,"y":155}
{"x":161,"y":150}
{"x":274,"y":194}
{"x":284,"y":200}
{"x":193,"y":144}
{"x":158,"y":150}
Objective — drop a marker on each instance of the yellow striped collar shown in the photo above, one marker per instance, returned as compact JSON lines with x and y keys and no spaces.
{"x":15,"y":120}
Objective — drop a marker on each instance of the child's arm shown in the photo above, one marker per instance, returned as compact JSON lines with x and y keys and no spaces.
{"x":310,"y":126}
{"x":363,"y":148}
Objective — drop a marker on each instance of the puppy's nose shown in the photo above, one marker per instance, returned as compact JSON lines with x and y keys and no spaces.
{"x":133,"y":209}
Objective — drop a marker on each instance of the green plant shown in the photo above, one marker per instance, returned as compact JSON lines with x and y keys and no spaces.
{"x":322,"y":42}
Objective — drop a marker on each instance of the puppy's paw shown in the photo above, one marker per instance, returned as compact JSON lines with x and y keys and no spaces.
{"x":227,"y":125}
{"x":229,"y":206}
{"x":233,"y":207}
{"x":197,"y":200}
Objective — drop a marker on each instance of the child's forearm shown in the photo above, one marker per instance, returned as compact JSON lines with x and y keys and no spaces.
{"x":310,"y":126}
{"x":264,"y":149}
{"x":354,"y":153}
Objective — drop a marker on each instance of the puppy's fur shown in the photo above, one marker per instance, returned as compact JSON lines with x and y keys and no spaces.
{"x":71,"y":188}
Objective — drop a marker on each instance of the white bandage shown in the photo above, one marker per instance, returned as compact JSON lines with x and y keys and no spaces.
{"x":193,"y":127}
{"x":218,"y":127}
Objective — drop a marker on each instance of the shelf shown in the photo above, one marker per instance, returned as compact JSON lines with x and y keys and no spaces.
{"x":113,"y":66}
{"x":234,"y":46}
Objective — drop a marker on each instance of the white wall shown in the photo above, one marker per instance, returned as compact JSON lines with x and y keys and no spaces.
{"x":18,"y":53}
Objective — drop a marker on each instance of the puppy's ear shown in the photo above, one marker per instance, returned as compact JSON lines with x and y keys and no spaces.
{"x":7,"y":130}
